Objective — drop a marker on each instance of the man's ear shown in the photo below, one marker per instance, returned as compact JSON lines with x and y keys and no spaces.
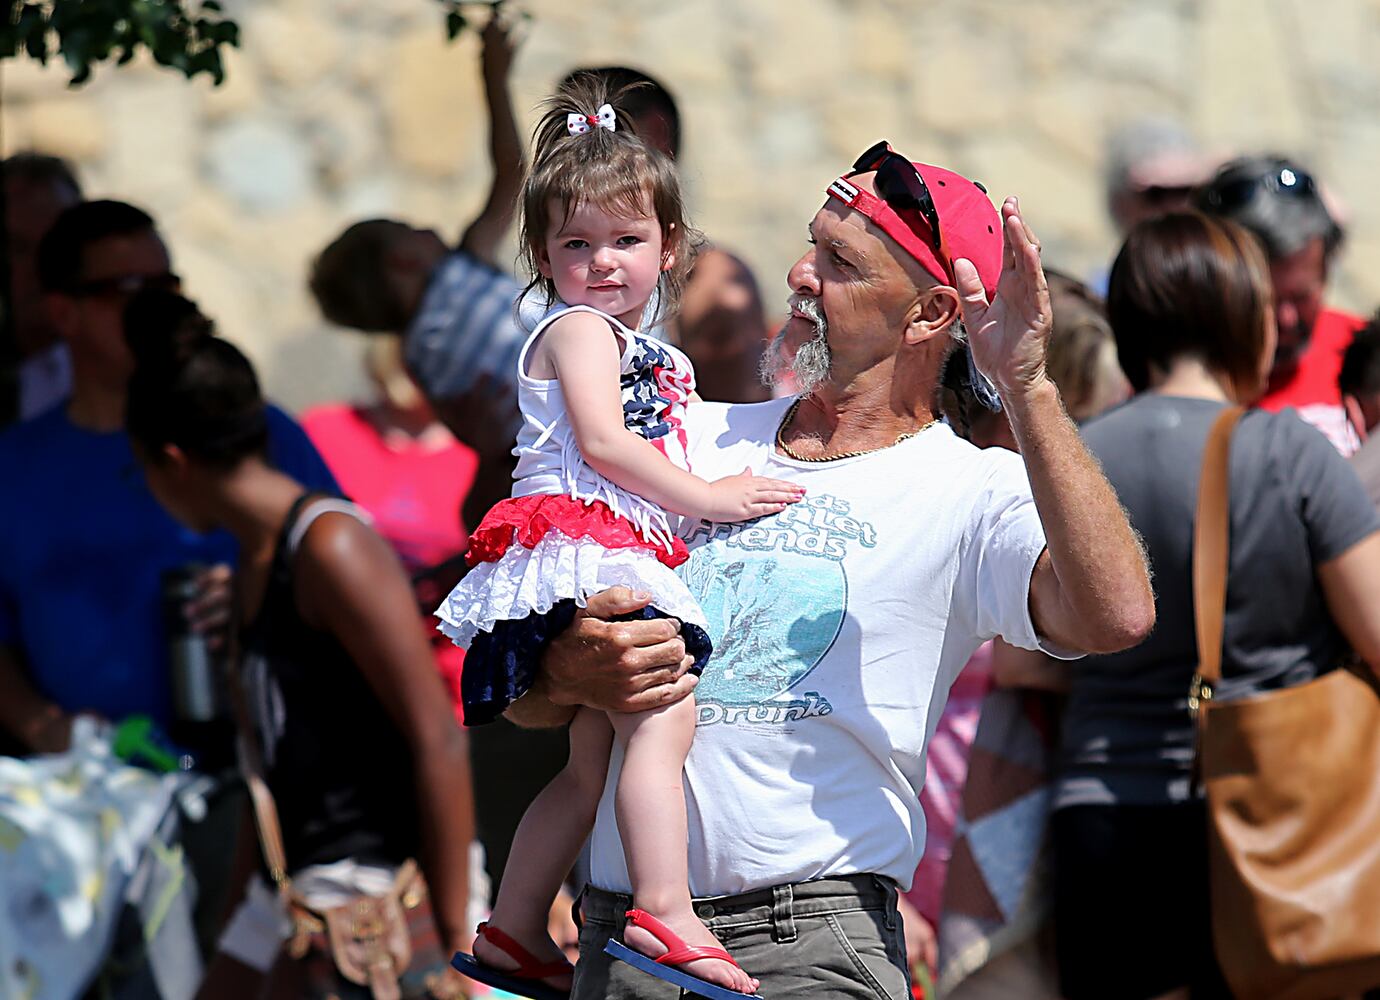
{"x":1355,"y":415}
{"x":408,"y":255}
{"x":932,"y":313}
{"x":174,"y":461}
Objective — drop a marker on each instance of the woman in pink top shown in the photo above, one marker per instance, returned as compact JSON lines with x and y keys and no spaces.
{"x":398,"y":462}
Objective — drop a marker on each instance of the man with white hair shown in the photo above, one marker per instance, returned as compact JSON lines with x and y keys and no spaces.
{"x":1153,"y":167}
{"x":840,"y":623}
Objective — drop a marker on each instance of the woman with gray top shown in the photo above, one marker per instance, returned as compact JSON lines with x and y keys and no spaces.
{"x":1190,"y":305}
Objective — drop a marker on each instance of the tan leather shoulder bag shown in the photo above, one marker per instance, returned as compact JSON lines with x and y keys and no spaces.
{"x":368,"y":939}
{"x":1293,"y":798}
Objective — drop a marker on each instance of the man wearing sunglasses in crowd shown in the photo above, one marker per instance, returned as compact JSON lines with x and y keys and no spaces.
{"x":840,"y":623}
{"x":83,"y":544}
{"x":1281,"y":203}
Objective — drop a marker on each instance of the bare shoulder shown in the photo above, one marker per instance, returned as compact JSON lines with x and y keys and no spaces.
{"x":576,"y":334}
{"x":580,"y":326}
{"x":339,"y":551}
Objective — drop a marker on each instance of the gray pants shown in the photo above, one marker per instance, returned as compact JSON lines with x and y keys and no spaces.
{"x":829,"y":938}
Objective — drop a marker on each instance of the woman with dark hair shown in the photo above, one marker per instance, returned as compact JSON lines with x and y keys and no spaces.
{"x":351,"y":724}
{"x":1190,"y":307}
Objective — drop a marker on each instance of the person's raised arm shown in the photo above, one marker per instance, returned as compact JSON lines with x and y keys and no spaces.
{"x":484,"y":234}
{"x":585,"y":355}
{"x":351,"y":584}
{"x":1090,"y":589}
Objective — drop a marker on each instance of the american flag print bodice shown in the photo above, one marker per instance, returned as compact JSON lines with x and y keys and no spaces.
{"x":656,"y":384}
{"x":656,"y":381}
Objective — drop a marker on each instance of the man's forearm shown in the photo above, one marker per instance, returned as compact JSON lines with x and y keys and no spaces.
{"x":32,"y":719}
{"x":1103,"y":601}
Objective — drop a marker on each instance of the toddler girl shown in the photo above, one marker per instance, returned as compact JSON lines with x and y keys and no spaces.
{"x":601,"y":462}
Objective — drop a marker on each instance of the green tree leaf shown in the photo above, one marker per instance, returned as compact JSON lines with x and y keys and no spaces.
{"x":186,"y":35}
{"x":456,"y":21}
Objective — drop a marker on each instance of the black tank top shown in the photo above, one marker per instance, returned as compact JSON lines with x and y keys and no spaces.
{"x":336,"y":763}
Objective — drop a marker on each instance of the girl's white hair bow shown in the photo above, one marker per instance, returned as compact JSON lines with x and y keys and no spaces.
{"x":580,"y":124}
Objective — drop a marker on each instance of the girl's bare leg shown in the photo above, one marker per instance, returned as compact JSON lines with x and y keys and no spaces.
{"x":650,"y":806}
{"x":547,"y":842}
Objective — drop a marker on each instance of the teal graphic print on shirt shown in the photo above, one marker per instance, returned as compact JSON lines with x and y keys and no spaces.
{"x":775,"y":595}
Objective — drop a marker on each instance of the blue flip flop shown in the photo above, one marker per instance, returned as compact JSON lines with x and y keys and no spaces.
{"x":525,"y":980}
{"x":678,"y":953}
{"x":466,"y":965}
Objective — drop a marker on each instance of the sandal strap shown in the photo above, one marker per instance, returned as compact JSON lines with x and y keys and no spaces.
{"x":529,"y":966}
{"x":694,"y":954}
{"x":677,"y":951}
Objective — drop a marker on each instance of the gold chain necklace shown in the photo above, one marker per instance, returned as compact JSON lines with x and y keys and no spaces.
{"x":792,"y":453}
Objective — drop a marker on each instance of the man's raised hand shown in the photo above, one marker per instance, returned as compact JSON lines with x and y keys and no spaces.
{"x":1009,"y":336}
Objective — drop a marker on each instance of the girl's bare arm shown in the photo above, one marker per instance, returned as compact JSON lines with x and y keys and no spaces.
{"x":584,"y":353}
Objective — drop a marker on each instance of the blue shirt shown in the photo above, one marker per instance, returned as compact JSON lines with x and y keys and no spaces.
{"x":83,"y":545}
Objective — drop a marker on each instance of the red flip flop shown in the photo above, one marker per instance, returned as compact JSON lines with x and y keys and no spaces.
{"x":677,"y":953}
{"x":526,"y":979}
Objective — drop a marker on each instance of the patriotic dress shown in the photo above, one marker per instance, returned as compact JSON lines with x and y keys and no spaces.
{"x":568,"y":532}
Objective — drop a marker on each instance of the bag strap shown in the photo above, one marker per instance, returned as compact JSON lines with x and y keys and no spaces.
{"x":307,"y":508}
{"x":266,"y":820}
{"x":1211,"y":542}
{"x":265,"y":808}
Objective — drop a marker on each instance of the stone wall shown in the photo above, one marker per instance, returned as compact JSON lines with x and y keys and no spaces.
{"x":340,"y":109}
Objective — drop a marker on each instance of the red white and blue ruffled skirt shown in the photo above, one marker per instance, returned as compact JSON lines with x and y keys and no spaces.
{"x":536,"y":559}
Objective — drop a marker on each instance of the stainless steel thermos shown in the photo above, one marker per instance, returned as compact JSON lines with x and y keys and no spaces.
{"x":196,"y":687}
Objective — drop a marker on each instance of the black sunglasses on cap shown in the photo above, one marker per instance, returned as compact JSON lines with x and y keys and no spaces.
{"x":900,"y":185}
{"x":1283,"y":179}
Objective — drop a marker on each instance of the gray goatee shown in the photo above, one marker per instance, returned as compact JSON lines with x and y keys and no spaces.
{"x":812,"y":360}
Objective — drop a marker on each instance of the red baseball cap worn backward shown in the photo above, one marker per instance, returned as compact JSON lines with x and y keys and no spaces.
{"x":969,"y":224}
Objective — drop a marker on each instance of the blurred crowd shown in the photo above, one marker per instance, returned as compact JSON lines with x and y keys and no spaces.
{"x":152,"y":529}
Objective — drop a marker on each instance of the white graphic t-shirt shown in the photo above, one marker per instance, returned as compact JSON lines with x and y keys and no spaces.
{"x":838,"y":627}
